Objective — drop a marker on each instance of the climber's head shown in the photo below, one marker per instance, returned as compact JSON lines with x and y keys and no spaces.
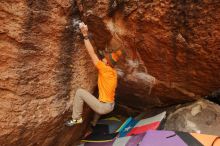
{"x":111,"y":59}
{"x":112,"y":53}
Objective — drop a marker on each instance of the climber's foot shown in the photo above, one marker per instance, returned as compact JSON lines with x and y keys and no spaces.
{"x":72,"y":122}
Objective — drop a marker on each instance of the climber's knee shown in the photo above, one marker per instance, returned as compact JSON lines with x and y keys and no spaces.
{"x":79,"y":92}
{"x":105,"y":108}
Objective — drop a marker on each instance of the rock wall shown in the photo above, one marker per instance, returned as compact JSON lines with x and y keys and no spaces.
{"x":172,"y":47}
{"x":42,"y":63}
{"x":172,"y":57}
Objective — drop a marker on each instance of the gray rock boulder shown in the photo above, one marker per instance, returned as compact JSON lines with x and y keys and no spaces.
{"x":202,"y":117}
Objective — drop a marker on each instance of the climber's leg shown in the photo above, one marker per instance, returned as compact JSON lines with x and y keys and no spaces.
{"x":97,"y":106}
{"x":82,"y":96}
{"x":95,"y":119}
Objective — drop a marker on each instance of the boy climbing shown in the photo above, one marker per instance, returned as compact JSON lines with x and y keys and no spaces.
{"x":107,"y":83}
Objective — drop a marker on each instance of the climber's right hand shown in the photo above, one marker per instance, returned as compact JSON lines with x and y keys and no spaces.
{"x":83,"y":28}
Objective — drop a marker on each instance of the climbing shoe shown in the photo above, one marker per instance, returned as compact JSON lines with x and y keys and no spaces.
{"x":72,"y":122}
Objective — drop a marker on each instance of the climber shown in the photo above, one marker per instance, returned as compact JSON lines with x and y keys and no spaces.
{"x":107,"y":82}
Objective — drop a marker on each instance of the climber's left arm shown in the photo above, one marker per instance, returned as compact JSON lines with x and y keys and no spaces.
{"x":89,"y":47}
{"x":91,"y":51}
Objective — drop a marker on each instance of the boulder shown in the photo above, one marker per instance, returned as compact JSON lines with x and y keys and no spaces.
{"x":199,"y":117}
{"x":42,"y":63}
{"x":172,"y":47}
{"x":172,"y":57}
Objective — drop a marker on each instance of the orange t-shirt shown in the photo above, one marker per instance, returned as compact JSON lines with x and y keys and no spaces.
{"x":107,"y":82}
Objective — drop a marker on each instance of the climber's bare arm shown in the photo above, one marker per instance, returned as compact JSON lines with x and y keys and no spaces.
{"x":89,"y":47}
{"x":91,"y":51}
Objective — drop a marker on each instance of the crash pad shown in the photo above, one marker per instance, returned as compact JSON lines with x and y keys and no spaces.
{"x":128,"y":140}
{"x":100,"y":129}
{"x":175,"y":138}
{"x":121,"y":128}
{"x":124,"y":141}
{"x":105,"y":130}
{"x":207,"y":140}
{"x":144,"y":128}
{"x":150,"y":120}
{"x":161,"y":138}
{"x":188,"y":139}
{"x":109,"y":143}
{"x":112,"y":124}
{"x":127,"y":128}
{"x":99,"y":137}
{"x":138,"y":127}
{"x":112,"y":118}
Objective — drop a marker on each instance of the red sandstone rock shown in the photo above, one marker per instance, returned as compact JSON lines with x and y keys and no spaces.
{"x":42,"y":63}
{"x":172,"y":57}
{"x":173,"y":48}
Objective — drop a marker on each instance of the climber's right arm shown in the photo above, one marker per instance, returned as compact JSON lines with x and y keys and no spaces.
{"x":89,"y":47}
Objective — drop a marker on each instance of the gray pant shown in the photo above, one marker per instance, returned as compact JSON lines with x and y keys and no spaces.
{"x":99,"y":107}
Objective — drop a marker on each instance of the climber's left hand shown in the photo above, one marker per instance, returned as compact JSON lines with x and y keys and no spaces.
{"x":84,"y":28}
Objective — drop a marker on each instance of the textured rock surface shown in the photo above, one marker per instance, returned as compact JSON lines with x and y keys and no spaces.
{"x":41,"y":65}
{"x":172,"y":56}
{"x":202,"y":116}
{"x":174,"y":46}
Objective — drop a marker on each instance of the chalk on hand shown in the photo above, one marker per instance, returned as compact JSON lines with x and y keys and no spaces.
{"x":76,"y":22}
{"x":81,"y":25}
